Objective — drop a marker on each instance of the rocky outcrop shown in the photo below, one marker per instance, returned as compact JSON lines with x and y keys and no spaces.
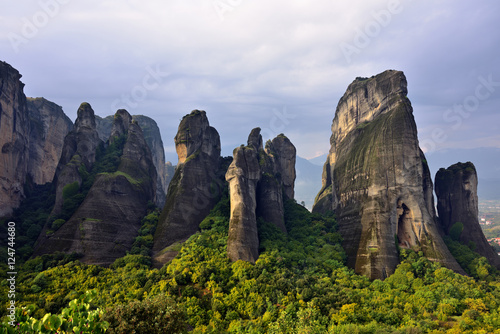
{"x":105,"y":225}
{"x":32,"y":132}
{"x":14,"y":139}
{"x":79,"y":150}
{"x":457,"y":203}
{"x":153,"y":139}
{"x":259,"y":181}
{"x":377,"y":181}
{"x":103,"y":126}
{"x":195,"y":187}
{"x":49,"y":125}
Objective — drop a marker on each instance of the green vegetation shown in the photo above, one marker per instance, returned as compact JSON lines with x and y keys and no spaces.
{"x":144,"y":241}
{"x":298,"y":285}
{"x":76,"y":318}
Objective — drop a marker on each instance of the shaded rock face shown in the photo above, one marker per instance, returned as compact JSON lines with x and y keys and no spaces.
{"x":153,"y":139}
{"x":103,"y":126}
{"x":377,"y":181}
{"x":195,"y":187}
{"x":49,"y":126}
{"x":456,"y":190}
{"x":258,"y":181}
{"x":14,"y":139}
{"x":105,"y":225}
{"x":79,"y":149}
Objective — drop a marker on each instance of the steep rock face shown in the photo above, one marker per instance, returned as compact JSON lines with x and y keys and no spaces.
{"x":79,"y":149}
{"x":258,"y":181}
{"x":376,"y":178}
{"x":49,"y":126}
{"x":14,"y":139}
{"x":153,"y":139}
{"x":195,"y":187}
{"x":121,"y":123}
{"x":105,"y":225}
{"x":456,"y":190}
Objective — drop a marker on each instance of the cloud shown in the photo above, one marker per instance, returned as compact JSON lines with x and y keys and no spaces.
{"x":258,"y":58}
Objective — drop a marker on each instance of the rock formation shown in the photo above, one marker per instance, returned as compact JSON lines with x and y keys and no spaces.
{"x":105,"y":225}
{"x":457,"y":202}
{"x":258,"y":180}
{"x":32,"y":133}
{"x":14,"y":139}
{"x":377,"y":181}
{"x":195,"y":187}
{"x":103,"y":126}
{"x":79,"y":149}
{"x":49,"y":126}
{"x":153,"y":139}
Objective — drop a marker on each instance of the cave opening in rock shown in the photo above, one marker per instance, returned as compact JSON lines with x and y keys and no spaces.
{"x":404,"y":231}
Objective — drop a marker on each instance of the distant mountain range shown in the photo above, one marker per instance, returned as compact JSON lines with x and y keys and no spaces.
{"x":308,"y":181}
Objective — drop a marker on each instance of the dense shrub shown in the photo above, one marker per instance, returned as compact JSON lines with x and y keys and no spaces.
{"x":159,"y":314}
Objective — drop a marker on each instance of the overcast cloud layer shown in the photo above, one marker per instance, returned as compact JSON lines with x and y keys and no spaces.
{"x":281,"y":65}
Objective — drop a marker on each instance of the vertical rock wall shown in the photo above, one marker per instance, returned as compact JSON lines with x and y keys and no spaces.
{"x":259,"y":181}
{"x":195,"y":187}
{"x":14,"y":139}
{"x":377,"y":181}
{"x":457,"y":202}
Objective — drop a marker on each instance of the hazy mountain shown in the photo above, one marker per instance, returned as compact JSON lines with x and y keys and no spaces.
{"x":319,"y":161}
{"x":308,"y":181}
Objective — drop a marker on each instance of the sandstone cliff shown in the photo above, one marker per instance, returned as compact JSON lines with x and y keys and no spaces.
{"x":14,"y":139}
{"x":376,"y":178}
{"x":457,"y":202}
{"x":49,"y":125}
{"x":79,"y":149}
{"x":258,"y":181}
{"x":105,"y":225}
{"x":153,"y":139}
{"x":195,"y":187}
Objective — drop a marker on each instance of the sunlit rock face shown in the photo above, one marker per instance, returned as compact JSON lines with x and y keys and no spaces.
{"x":376,"y":178}
{"x":260,"y":180}
{"x":457,"y":203}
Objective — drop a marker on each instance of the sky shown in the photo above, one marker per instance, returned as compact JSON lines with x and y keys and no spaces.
{"x":279,"y":65}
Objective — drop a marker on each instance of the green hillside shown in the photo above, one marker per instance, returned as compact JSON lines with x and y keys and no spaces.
{"x":299,"y":285}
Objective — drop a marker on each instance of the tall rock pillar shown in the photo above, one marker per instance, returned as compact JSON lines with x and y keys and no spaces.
{"x":376,"y":178}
